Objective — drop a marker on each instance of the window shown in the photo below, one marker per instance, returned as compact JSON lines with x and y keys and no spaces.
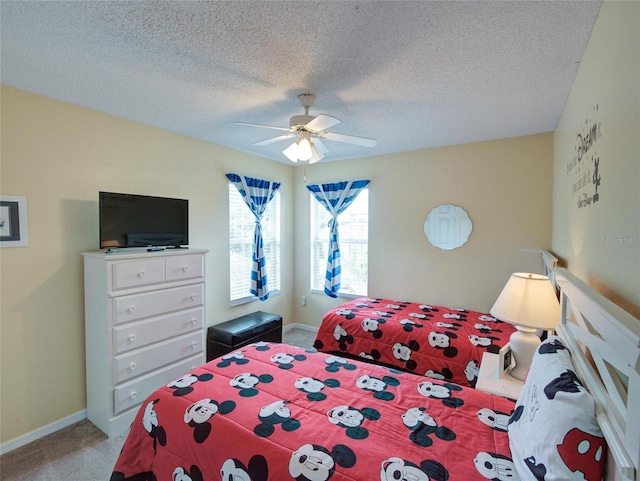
{"x":241,"y":229}
{"x":353,"y":228}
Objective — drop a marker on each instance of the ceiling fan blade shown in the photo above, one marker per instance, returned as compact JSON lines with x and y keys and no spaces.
{"x":321,"y":122}
{"x":286,"y":129}
{"x":320,"y":146}
{"x":275,"y":139}
{"x":350,"y":139}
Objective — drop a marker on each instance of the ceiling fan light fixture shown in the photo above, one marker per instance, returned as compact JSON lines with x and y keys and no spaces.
{"x":303,"y":150}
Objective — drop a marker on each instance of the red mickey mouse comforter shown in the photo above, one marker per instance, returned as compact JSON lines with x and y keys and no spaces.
{"x":433,"y":341}
{"x":277,"y":412}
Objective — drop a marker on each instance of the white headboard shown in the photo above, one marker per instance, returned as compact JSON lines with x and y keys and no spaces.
{"x":605,"y":345}
{"x":550,"y":263}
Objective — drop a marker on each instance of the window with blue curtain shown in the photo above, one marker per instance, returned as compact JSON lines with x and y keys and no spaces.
{"x":354,"y":246}
{"x":335,"y":198}
{"x":257,"y":194}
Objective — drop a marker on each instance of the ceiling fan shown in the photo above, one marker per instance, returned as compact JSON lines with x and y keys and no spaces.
{"x":310,"y":131}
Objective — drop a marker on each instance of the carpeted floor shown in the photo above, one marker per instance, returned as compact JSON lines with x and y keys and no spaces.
{"x":82,"y":452}
{"x":78,"y":452}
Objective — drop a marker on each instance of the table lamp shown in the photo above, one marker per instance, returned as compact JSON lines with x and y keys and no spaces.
{"x":529,"y":302}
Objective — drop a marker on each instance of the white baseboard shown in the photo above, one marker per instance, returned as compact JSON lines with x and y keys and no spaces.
{"x":42,"y":432}
{"x":304,"y":327}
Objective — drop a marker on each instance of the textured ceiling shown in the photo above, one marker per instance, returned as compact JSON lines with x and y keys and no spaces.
{"x":411,"y":74}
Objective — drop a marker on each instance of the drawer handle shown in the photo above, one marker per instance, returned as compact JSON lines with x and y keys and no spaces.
{"x":133,"y":394}
{"x":193,"y":345}
{"x":132,"y":366}
{"x":194,"y":320}
{"x":194,"y":297}
{"x":141,"y":274}
{"x":132,"y":337}
{"x":131,"y":309}
{"x":185,"y":268}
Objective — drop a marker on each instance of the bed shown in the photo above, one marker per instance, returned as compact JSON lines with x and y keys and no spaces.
{"x":433,"y":341}
{"x":277,"y":412}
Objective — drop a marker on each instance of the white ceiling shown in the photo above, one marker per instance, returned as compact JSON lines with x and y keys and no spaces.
{"x":411,"y":74}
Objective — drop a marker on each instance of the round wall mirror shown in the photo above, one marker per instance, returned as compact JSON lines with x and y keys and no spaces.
{"x":448,"y":227}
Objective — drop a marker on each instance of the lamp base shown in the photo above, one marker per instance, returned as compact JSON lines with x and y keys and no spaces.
{"x":524,"y":343}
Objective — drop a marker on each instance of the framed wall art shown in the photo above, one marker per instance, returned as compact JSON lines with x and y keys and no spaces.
{"x":13,"y":221}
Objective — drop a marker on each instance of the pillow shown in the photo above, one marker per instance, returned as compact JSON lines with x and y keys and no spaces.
{"x":553,"y":431}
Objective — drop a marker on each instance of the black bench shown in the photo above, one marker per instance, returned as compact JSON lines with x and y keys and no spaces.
{"x":227,"y":336}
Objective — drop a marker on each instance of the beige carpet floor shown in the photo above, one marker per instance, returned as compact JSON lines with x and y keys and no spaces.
{"x":82,"y":452}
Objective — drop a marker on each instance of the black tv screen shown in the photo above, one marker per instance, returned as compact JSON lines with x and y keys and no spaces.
{"x":128,"y":220}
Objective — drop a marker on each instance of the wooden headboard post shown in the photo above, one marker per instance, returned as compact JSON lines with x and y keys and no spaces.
{"x":550,"y":264}
{"x":605,"y":344}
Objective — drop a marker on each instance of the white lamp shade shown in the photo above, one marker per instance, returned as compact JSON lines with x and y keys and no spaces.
{"x":304,"y":150}
{"x":292,"y":152}
{"x":528,"y":300}
{"x":316,"y":154}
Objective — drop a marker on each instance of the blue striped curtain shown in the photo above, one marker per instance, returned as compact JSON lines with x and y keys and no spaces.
{"x":335,"y":198}
{"x":257,"y":194}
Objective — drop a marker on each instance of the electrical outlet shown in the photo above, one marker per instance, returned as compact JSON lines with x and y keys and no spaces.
{"x":303,"y":300}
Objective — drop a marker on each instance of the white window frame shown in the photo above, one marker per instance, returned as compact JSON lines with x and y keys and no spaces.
{"x":241,"y":229}
{"x":353,"y":282}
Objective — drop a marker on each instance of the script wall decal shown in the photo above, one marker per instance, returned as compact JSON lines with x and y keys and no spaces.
{"x":584,"y":169}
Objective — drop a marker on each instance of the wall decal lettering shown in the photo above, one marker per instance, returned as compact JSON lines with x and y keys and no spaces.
{"x":584,"y":168}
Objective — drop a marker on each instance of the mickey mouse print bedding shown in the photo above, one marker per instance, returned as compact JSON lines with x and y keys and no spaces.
{"x":278,"y":412}
{"x":433,"y":341}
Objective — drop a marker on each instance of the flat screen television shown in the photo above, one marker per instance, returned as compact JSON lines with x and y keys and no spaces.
{"x":129,"y":220}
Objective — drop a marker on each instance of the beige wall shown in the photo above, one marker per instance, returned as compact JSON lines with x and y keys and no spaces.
{"x":505,"y":187}
{"x":59,"y":156}
{"x":600,"y":242}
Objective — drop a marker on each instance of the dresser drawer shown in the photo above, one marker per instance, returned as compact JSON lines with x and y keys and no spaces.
{"x":137,"y":363}
{"x":131,"y":394}
{"x":149,"y":304}
{"x":137,"y":273}
{"x":139,"y":334}
{"x":184,"y":267}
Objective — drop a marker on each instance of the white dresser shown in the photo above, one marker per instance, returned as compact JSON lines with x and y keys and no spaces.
{"x":144,"y":327}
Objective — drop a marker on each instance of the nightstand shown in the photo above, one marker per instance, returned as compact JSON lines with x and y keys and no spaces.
{"x":488,"y":380}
